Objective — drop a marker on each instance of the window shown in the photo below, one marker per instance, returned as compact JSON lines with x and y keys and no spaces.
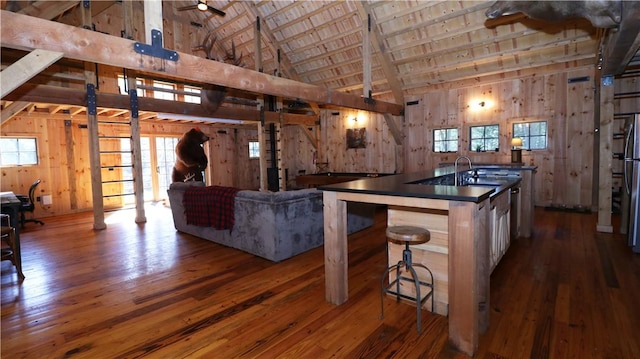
{"x":18,"y":151}
{"x":485,"y":138}
{"x":122,"y":85}
{"x":254,"y":149}
{"x":533,"y":134}
{"x":158,"y":92}
{"x":195,"y":98}
{"x":445,"y":140}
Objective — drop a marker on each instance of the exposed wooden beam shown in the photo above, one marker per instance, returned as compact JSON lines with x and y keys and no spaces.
{"x":311,"y":136}
{"x":393,"y":128}
{"x":384,"y":57}
{"x":48,"y":10}
{"x":152,"y":19}
{"x":24,"y":32}
{"x":10,"y":111}
{"x":623,"y":44}
{"x":366,"y":52}
{"x":76,"y":97}
{"x":21,"y":71}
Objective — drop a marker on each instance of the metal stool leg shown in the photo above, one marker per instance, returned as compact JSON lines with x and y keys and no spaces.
{"x":409,"y":267}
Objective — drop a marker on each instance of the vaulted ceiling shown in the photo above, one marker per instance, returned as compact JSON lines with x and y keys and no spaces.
{"x":413,"y":47}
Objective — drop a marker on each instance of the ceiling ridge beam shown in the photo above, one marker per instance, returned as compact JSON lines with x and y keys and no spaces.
{"x":26,"y":33}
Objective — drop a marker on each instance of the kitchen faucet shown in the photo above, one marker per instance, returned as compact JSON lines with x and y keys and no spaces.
{"x":455,"y":168}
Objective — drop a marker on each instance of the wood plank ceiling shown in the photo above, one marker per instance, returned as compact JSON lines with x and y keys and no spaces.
{"x":416,"y":45}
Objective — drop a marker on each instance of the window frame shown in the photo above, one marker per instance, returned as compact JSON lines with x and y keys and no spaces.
{"x":472,"y":140}
{"x":18,"y":138}
{"x":526,"y":139}
{"x":122,"y":85}
{"x":158,"y":86}
{"x":447,"y":140}
{"x":192,"y":94}
{"x":253,"y":150}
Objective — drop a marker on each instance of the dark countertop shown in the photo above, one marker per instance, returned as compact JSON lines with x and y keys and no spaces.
{"x":401,"y":185}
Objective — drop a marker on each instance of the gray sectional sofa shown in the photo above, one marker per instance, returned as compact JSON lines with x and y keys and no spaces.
{"x":272,"y":225}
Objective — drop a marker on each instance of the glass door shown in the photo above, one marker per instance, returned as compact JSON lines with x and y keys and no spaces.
{"x":166,"y":158}
{"x":127,"y":173}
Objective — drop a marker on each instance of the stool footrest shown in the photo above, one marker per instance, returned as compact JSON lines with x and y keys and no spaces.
{"x":424,"y":298}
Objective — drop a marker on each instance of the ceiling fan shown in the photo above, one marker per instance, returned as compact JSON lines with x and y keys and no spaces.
{"x":202,"y":6}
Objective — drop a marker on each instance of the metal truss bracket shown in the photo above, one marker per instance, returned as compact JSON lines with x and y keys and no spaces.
{"x":155,"y":49}
{"x":133,"y":102}
{"x":91,"y":99}
{"x":369,"y":100}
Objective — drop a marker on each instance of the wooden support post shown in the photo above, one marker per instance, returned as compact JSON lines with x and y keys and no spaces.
{"x":136,"y":147}
{"x":94,"y":156}
{"x":336,"y":254}
{"x":264,"y":185}
{"x":152,"y":18}
{"x":94,"y":140}
{"x":469,"y":267}
{"x":71,"y":164}
{"x":366,"y":57}
{"x":605,"y":181}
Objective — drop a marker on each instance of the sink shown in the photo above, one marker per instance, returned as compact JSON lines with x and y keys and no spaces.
{"x":466,"y":180}
{"x":481,"y":182}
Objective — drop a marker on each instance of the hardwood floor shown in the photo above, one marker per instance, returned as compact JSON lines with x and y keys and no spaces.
{"x":147,"y":291}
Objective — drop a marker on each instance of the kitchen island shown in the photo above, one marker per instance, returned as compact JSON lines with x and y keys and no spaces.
{"x":465,"y":211}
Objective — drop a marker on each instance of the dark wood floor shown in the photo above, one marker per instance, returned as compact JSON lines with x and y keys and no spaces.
{"x":147,"y":291}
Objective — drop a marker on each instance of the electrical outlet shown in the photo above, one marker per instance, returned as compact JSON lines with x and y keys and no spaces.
{"x":38,"y":199}
{"x":46,"y":200}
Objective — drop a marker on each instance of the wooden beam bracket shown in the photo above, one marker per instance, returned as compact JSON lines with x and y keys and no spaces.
{"x":155,"y":49}
{"x":369,"y":100}
{"x":92,"y":107}
{"x":133,"y":100}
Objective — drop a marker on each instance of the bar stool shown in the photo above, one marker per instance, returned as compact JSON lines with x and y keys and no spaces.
{"x":408,"y":235}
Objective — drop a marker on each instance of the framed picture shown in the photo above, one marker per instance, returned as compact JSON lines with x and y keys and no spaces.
{"x":356,"y":138}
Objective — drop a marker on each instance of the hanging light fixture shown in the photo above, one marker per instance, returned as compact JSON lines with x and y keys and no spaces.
{"x":202,"y":5}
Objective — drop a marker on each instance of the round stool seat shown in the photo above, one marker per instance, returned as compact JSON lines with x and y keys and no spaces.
{"x":415,"y":235}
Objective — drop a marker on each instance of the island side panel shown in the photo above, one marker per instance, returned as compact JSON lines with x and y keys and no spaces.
{"x":335,"y":249}
{"x":469,"y":272}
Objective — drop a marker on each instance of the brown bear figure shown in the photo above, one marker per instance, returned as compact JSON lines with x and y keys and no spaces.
{"x":190,"y":157}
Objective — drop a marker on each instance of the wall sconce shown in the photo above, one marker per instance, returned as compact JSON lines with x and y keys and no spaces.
{"x":516,"y":151}
{"x":480,"y":104}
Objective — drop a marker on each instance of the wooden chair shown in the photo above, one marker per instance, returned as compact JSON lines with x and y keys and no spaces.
{"x":408,"y":235}
{"x":12,"y":250}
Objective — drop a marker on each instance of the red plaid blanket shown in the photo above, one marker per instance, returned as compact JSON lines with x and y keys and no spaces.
{"x":211,"y":206}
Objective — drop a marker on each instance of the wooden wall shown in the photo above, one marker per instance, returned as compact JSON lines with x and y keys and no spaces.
{"x":64,"y":159}
{"x":565,"y":168}
{"x":379,"y":155}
